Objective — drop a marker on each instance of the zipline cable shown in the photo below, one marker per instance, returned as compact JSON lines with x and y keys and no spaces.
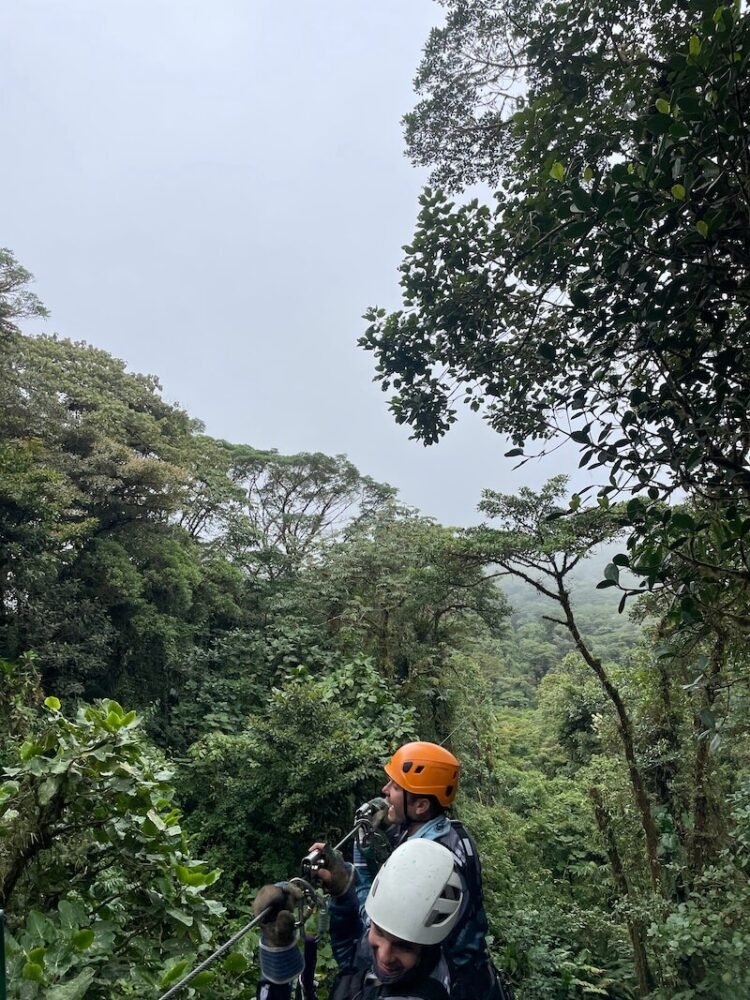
{"x":216,"y":954}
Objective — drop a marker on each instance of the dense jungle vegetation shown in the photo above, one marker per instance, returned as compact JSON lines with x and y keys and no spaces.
{"x":208,"y":649}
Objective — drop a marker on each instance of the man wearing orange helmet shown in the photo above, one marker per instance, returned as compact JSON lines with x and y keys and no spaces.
{"x":422,"y":784}
{"x":423,"y":780}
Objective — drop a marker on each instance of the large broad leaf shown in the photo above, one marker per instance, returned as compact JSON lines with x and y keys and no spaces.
{"x":174,"y":973}
{"x":73,"y":990}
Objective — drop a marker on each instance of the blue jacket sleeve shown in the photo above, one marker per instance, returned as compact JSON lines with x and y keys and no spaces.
{"x":346,"y":926}
{"x":362,"y":875}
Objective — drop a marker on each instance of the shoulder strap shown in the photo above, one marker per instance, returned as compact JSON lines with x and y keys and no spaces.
{"x":471,"y":866}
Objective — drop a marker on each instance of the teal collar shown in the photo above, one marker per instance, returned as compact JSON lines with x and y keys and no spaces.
{"x":433,"y":829}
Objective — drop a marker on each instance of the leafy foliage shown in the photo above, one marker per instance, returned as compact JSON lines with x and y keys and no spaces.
{"x":295,"y":773}
{"x":17,"y":301}
{"x":284,"y":623}
{"x":95,"y":875}
{"x":604,"y":297}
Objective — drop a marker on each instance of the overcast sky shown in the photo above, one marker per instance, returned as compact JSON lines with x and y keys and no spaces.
{"x":215,"y":192}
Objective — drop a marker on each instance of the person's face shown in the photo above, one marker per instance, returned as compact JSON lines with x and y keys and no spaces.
{"x":396,"y":799}
{"x":391,"y":955}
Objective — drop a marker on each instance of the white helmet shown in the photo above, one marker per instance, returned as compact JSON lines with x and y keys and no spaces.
{"x":417,"y":894}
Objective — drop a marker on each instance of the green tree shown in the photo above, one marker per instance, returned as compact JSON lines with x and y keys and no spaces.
{"x":17,"y":301}
{"x":295,"y":772}
{"x":127,"y":535}
{"x":604,"y":298}
{"x":90,"y":454}
{"x":296,"y":502}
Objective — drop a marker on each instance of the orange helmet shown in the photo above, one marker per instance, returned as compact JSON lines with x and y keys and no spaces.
{"x":425,"y":769}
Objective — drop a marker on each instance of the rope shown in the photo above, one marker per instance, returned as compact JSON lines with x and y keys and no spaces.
{"x":216,"y":954}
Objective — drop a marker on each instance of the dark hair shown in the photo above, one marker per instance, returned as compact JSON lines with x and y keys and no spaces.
{"x":436,"y":808}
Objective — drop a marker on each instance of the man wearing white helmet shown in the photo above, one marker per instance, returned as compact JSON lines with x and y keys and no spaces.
{"x":390,"y":948}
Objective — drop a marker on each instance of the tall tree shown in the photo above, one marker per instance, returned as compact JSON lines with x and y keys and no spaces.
{"x":605,"y":297}
{"x":296,"y":502}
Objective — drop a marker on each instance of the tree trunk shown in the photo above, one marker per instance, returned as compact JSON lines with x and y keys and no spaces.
{"x":699,"y":839}
{"x":635,"y":927}
{"x":626,"y":734}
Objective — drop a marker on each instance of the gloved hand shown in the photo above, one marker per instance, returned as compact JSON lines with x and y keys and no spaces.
{"x":335,"y":874}
{"x":278,"y":925}
{"x":373,"y":811}
{"x":341,"y":873}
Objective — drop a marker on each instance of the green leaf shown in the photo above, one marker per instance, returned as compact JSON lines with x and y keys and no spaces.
{"x":659,"y":124}
{"x":47,"y":790}
{"x":52,"y":703}
{"x":181,"y":917}
{"x":75,"y":989}
{"x":113,"y":721}
{"x":29,"y":750}
{"x":33,"y":972}
{"x":557,"y":171}
{"x":682,"y":521}
{"x":678,"y":192}
{"x":235,"y":962}
{"x":156,"y":820}
{"x":7,"y":790}
{"x":174,"y":973}
{"x":83,"y":939}
{"x":695,"y":46}
{"x":546,"y":350}
{"x":702,"y":227}
{"x":612,"y":572}
{"x":39,"y":926}
{"x":662,"y":106}
{"x":191,"y":877}
{"x":71,"y":914}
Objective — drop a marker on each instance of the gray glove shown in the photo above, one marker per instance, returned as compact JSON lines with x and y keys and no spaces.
{"x":341,"y":873}
{"x":278,"y":924}
{"x":373,"y":811}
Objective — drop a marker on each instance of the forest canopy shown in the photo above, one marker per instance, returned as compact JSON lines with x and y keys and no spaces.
{"x":208,"y":648}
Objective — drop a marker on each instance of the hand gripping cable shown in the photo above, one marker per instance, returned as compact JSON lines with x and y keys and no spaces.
{"x":311,"y":900}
